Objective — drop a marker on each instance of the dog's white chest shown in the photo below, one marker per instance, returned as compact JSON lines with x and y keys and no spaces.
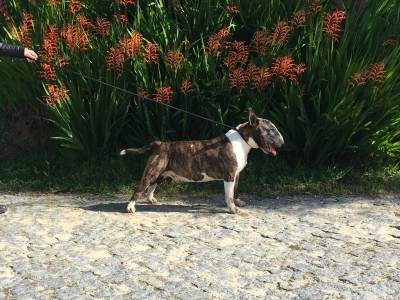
{"x":240,"y":148}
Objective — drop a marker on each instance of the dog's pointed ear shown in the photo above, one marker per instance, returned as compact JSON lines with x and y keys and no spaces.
{"x":253,"y":120}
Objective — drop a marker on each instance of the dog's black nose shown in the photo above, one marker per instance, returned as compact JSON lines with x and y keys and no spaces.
{"x":280,"y":143}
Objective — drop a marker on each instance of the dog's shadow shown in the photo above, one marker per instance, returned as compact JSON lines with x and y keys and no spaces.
{"x":120,"y":207}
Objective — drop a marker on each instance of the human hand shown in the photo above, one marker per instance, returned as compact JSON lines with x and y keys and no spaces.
{"x":30,"y":55}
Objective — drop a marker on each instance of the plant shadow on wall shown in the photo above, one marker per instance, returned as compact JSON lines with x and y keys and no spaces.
{"x":327,"y":76}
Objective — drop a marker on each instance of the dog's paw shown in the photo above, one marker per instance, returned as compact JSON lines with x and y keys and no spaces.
{"x":233,"y":210}
{"x":152,"y":201}
{"x":239,"y":202}
{"x":131,"y":207}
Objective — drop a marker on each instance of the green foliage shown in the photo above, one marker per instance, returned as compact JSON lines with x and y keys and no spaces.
{"x":48,"y":172}
{"x":19,"y":84}
{"x":91,"y":121}
{"x":323,"y":118}
{"x":335,"y":118}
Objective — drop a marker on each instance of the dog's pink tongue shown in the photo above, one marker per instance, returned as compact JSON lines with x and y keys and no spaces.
{"x":269,"y":149}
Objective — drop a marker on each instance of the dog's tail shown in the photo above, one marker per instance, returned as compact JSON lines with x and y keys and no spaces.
{"x":138,"y":150}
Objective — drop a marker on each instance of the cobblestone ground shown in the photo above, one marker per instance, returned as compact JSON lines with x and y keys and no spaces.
{"x":78,"y":247}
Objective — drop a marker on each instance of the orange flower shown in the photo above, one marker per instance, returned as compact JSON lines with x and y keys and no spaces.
{"x":175,"y":59}
{"x":25,"y":30}
{"x":213,"y":47}
{"x":237,"y":56}
{"x":241,"y":50}
{"x":186,"y":87}
{"x":61,"y":62}
{"x":55,"y":94}
{"x":389,"y":42}
{"x":224,"y":33}
{"x":298,"y":19}
{"x":74,"y":6}
{"x":82,"y":39}
{"x":217,"y":42}
{"x":238,"y":78}
{"x":298,"y":69}
{"x":233,"y":9}
{"x":54,"y":2}
{"x":76,"y":37}
{"x":123,"y":44}
{"x":47,"y":72}
{"x":163,"y":94}
{"x":280,"y":33}
{"x":313,"y":7}
{"x":376,"y":73}
{"x":285,"y":68}
{"x":260,"y":42}
{"x":102,"y":27}
{"x":142,"y":94}
{"x":84,"y":22}
{"x":51,"y":94}
{"x":122,"y":18}
{"x":259,"y":77}
{"x":135,"y":44}
{"x":50,"y":43}
{"x":131,"y":46}
{"x":125,"y":2}
{"x":332,"y":23}
{"x":358,"y":79}
{"x":69,"y":35}
{"x":230,"y":61}
{"x":115,"y":59}
{"x":151,"y":53}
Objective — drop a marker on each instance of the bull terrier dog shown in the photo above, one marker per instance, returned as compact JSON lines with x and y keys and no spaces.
{"x":220,"y":158}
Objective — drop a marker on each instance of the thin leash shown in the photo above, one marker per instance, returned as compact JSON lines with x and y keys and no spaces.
{"x":143,"y":97}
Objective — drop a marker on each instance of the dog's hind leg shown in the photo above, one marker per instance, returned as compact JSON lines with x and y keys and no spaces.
{"x":229,"y":187}
{"x":236,"y":199}
{"x":150,"y":193}
{"x":152,"y":172}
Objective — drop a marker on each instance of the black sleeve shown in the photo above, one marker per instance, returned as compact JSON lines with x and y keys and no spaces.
{"x":11,"y":50}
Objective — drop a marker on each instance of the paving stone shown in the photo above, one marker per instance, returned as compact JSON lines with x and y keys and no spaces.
{"x":68,"y":293}
{"x":82,"y":247}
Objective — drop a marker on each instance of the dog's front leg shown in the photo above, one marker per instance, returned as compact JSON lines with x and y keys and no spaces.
{"x":236,"y":199}
{"x":229,"y":187}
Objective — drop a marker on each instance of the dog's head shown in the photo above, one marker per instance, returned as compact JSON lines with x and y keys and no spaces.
{"x":264,"y":134}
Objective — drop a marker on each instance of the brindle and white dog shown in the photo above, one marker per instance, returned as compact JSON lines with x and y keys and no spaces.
{"x":221,"y":158}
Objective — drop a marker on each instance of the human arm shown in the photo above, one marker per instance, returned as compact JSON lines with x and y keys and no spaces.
{"x":17,"y":51}
{"x":12,"y":50}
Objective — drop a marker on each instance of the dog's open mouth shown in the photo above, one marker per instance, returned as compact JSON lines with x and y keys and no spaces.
{"x":268,"y":149}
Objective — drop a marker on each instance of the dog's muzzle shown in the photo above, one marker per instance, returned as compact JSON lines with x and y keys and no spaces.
{"x":267,"y":148}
